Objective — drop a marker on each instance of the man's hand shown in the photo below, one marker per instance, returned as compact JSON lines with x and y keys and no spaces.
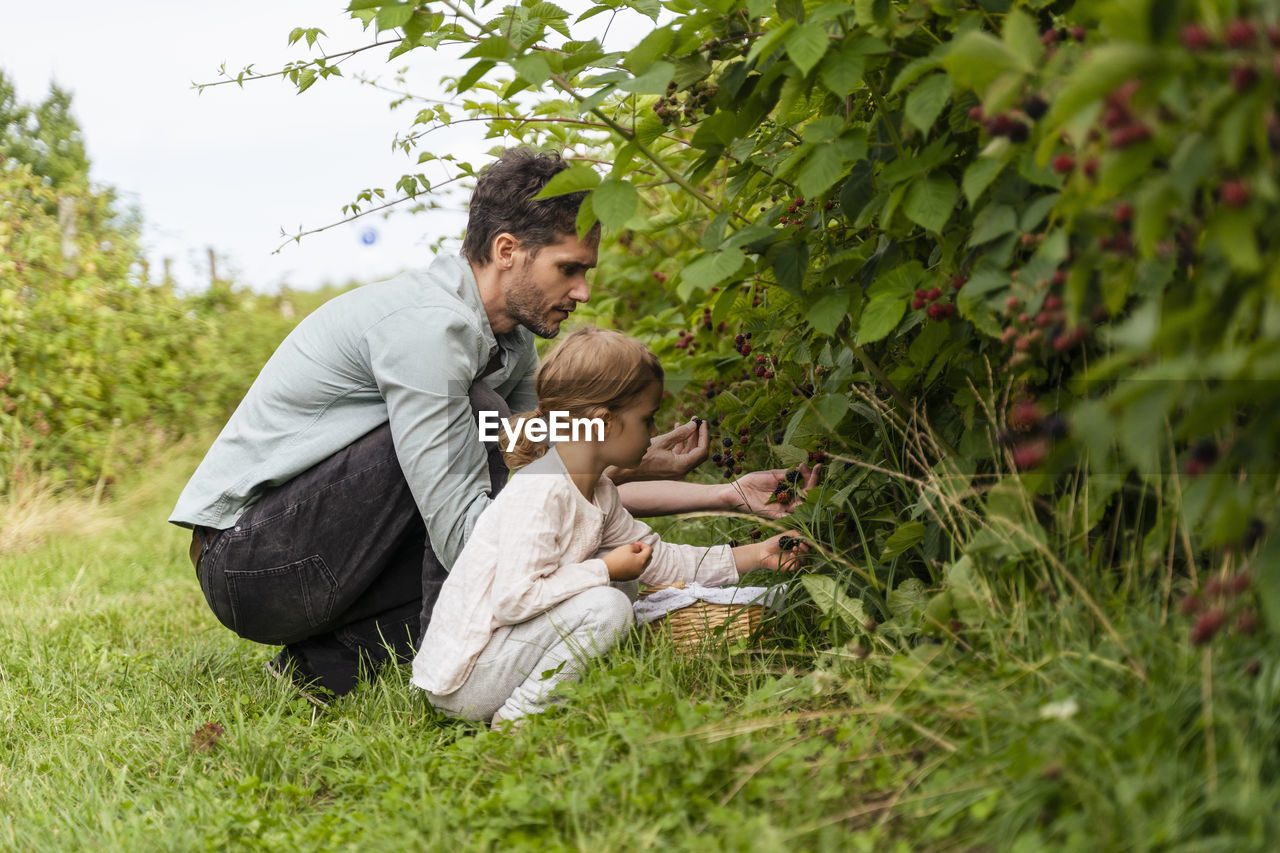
{"x":755,"y":492}
{"x":627,"y":562}
{"x":670,"y":456}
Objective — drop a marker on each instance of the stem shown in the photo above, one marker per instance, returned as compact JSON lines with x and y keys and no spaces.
{"x":296,"y":238}
{"x":893,"y":131}
{"x":1206,"y":704}
{"x":617,"y":128}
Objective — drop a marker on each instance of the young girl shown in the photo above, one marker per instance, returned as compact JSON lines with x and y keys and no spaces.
{"x":529,"y":598}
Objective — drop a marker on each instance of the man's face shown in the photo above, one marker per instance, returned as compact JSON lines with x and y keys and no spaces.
{"x":545,"y":289}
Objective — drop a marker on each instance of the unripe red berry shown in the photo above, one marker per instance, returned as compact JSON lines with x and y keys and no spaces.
{"x":949,"y":309}
{"x":1207,"y":626}
{"x":917,"y":303}
{"x":934,"y":311}
{"x":1239,"y":33}
{"x":1044,"y":318}
{"x":1063,"y":163}
{"x":921,"y":293}
{"x":1130,"y":135}
{"x":1012,"y":303}
{"x":1078,"y":32}
{"x":1239,"y":583}
{"x":934,"y":293}
{"x":1022,"y":344}
{"x":1029,"y":455}
{"x":660,"y":276}
{"x":1124,"y":212}
{"x":1091,"y":168}
{"x":1049,"y":37}
{"x":958,"y":282}
{"x":975,"y":113}
{"x":999,"y":125}
{"x":746,"y":349}
{"x":1059,"y":277}
{"x":1246,"y":622}
{"x":1195,"y":37}
{"x":1234,"y":193}
{"x":1243,"y":77}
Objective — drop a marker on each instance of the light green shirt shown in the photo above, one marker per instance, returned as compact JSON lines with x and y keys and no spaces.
{"x":405,"y":351}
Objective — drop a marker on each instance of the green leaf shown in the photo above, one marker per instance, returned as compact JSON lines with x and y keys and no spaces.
{"x":1236,"y":234}
{"x":977,"y":58}
{"x":869,"y":13}
{"x":904,"y":537}
{"x":1101,"y":71}
{"x":806,"y":46}
{"x":831,"y":409}
{"x":834,"y":602}
{"x":394,"y":15}
{"x":572,"y":180}
{"x":1036,"y":211}
{"x":650,"y":48}
{"x":821,"y":170}
{"x":979,"y":175}
{"x":652,"y":82}
{"x":930,"y":201}
{"x":711,"y":269}
{"x":1022,"y":36}
{"x":842,"y":72}
{"x":615,"y":202}
{"x":927,"y":100}
{"x":827,"y":311}
{"x":533,"y":68}
{"x":994,"y":220}
{"x":880,"y":316}
{"x":910,"y":597}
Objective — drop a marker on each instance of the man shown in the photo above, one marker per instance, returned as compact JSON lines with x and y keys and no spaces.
{"x":329,"y":508}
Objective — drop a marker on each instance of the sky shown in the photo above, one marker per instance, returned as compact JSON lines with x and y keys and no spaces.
{"x":230,"y":167}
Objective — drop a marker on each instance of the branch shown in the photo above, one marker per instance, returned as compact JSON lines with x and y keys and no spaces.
{"x":297,"y":238}
{"x":239,"y":80}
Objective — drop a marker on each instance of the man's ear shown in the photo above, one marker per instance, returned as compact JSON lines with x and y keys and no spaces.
{"x":504,"y":250}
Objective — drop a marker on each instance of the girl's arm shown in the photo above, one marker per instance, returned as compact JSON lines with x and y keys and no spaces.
{"x":531,"y":577}
{"x":670,"y":562}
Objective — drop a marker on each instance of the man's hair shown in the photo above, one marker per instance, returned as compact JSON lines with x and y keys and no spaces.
{"x":503,"y":202}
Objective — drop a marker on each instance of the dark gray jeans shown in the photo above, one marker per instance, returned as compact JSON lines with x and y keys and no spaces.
{"x":335,"y":564}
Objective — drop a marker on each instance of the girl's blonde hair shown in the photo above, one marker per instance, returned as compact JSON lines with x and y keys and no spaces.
{"x":591,"y":374}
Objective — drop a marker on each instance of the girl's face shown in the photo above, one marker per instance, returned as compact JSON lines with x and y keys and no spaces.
{"x":627,"y":436}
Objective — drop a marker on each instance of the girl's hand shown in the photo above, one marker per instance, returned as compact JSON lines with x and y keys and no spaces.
{"x":627,"y":562}
{"x":783,"y":551}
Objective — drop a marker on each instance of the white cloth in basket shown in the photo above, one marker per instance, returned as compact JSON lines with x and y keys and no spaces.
{"x":658,"y":604}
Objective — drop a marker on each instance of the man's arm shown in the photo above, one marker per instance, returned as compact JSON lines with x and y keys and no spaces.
{"x":750,"y":493}
{"x":423,"y":361}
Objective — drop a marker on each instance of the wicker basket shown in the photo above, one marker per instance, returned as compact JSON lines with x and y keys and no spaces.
{"x":701,"y":621}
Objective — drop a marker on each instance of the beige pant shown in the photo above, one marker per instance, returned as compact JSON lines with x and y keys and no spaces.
{"x":522,"y":664}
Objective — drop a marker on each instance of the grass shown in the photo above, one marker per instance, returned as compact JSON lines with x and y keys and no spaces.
{"x":1033,"y":731}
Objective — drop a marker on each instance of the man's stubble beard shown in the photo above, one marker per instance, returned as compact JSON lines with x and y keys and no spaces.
{"x":529,"y":307}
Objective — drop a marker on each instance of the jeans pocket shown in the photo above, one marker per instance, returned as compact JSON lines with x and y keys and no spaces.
{"x":282,"y":604}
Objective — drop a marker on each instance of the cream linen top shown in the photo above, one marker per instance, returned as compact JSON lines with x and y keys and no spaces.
{"x":538,"y":543}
